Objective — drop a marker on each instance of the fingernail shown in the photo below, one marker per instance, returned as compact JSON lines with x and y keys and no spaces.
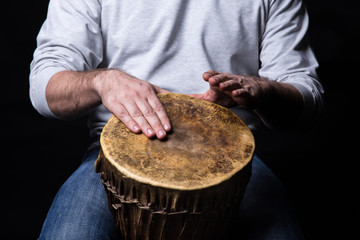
{"x":161,"y":133}
{"x":166,"y":127}
{"x":150,"y":131}
{"x":136,"y":128}
{"x":205,"y":74}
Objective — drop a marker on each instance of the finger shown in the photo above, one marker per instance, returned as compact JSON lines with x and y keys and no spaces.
{"x":152,"y":124}
{"x":238,"y":92}
{"x":229,"y":85}
{"x":123,"y":115}
{"x":217,"y":79}
{"x":159,"y":109}
{"x":135,"y":119}
{"x":242,"y":98}
{"x":208,"y":74}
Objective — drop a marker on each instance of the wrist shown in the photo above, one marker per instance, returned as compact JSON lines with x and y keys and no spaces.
{"x":100,"y":81}
{"x":263,"y":92}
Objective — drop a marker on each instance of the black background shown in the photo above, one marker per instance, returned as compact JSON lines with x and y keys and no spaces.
{"x":318,"y":168}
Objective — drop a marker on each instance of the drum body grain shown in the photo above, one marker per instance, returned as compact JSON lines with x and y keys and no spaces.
{"x":188,"y":186}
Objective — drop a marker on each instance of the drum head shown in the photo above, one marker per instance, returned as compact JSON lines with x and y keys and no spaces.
{"x":207,"y":145}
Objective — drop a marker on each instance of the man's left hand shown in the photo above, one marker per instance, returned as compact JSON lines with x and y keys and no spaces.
{"x":228,"y":89}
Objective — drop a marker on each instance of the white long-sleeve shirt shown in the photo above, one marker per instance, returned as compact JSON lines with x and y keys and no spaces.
{"x":170,"y":43}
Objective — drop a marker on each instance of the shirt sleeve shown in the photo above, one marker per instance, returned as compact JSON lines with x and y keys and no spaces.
{"x":286,"y":55}
{"x":70,"y":39}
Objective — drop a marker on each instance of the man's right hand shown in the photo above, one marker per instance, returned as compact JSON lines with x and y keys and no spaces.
{"x":71,"y":94}
{"x":134,"y":102}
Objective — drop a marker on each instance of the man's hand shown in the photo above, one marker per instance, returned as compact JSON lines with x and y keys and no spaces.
{"x":228,"y":89}
{"x":72,"y":94}
{"x":278,"y":104}
{"x":134,"y":102}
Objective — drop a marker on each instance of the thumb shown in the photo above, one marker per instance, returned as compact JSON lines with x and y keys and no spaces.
{"x":199,"y":96}
{"x":159,"y":89}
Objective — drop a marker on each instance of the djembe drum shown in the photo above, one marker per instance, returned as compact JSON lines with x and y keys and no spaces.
{"x":187,"y":186}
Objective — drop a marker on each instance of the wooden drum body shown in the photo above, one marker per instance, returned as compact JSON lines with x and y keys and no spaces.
{"x":187,"y":186}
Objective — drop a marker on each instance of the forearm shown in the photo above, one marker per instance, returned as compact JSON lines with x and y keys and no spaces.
{"x":133,"y":101}
{"x":71,"y":94}
{"x":281,"y":106}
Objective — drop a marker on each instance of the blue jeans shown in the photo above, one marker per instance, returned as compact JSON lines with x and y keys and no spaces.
{"x":80,"y":210}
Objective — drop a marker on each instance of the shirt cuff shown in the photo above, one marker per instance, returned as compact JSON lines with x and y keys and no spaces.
{"x":38,"y":84}
{"x":309,"y":113}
